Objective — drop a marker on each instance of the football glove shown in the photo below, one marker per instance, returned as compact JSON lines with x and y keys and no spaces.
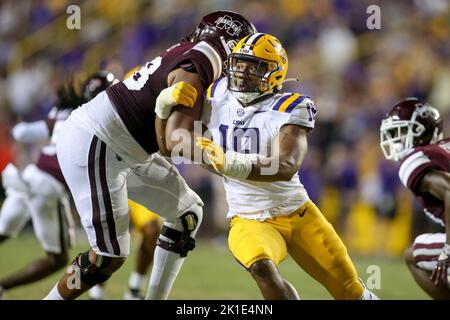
{"x":214,"y":153}
{"x":231,"y":164}
{"x":180,"y":93}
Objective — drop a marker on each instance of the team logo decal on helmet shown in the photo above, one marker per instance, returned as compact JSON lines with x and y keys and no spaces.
{"x":411,"y":123}
{"x":231,"y":27}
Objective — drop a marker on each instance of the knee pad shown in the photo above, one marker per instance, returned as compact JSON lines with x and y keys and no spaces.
{"x":183,"y":242}
{"x":91,"y":273}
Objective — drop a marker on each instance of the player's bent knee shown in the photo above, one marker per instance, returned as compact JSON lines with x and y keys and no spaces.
{"x":265,"y":270}
{"x":93,"y":273}
{"x":180,"y":242}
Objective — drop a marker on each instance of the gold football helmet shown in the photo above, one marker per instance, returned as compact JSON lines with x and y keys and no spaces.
{"x":257,"y":66}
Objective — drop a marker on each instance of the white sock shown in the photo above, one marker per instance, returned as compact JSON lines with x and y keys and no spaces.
{"x":54,"y":294}
{"x":367,"y":294}
{"x":136,"y":281}
{"x":166,"y":265}
{"x":97,"y":293}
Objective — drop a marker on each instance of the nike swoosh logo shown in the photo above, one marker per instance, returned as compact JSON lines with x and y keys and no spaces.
{"x":259,"y":111}
{"x":303,"y":213}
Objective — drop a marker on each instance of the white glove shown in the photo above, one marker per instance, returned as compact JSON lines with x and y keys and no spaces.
{"x":30,"y":131}
{"x":179,"y":93}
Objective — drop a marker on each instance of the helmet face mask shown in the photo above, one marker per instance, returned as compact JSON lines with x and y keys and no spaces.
{"x":411,"y":123}
{"x":247,"y":74}
{"x":397,"y":137}
{"x":257,"y":67}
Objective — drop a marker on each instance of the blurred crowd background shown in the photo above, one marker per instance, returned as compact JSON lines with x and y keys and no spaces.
{"x":353,"y":74}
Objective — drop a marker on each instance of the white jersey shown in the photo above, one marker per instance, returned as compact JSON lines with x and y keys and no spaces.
{"x":99,"y":117}
{"x":253,"y":130}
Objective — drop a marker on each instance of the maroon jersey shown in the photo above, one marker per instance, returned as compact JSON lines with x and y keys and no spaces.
{"x":50,"y":165}
{"x":48,"y":161}
{"x":419,"y":162}
{"x":134,"y":99}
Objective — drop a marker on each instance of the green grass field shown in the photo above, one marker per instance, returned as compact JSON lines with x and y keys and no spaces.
{"x":210,"y":273}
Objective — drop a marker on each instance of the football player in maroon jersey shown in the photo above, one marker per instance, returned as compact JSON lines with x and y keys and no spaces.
{"x":412,"y":134}
{"x":113,"y":136}
{"x":39,"y":192}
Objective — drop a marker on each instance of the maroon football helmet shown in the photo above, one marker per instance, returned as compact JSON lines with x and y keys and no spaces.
{"x":223,"y":30}
{"x":96,"y":83}
{"x":411,"y":123}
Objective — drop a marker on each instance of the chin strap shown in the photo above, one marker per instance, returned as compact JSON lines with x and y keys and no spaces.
{"x":252,"y":100}
{"x":291,"y":80}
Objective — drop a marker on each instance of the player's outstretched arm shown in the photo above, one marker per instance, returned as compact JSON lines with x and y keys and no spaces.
{"x":177,"y":129}
{"x":437,"y":183}
{"x":290,"y":148}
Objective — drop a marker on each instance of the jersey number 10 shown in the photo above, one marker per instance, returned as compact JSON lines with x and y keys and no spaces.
{"x":245,"y":140}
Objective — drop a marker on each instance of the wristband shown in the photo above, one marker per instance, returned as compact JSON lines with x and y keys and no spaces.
{"x":164,"y":104}
{"x":238,"y":165}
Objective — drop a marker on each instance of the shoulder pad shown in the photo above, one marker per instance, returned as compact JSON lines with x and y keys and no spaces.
{"x":288,"y":102}
{"x":212,"y":55}
{"x":209,"y":93}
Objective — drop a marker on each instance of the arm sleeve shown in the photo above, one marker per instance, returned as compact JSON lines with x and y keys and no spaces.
{"x":207,"y":62}
{"x":413,"y":168}
{"x":302,"y":112}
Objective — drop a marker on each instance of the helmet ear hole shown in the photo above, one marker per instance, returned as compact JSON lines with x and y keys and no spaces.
{"x":231,"y":44}
{"x":273,"y":66}
{"x":264,"y":86}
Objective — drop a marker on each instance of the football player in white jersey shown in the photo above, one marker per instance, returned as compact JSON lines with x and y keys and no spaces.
{"x":260,"y":141}
{"x":39,"y":193}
